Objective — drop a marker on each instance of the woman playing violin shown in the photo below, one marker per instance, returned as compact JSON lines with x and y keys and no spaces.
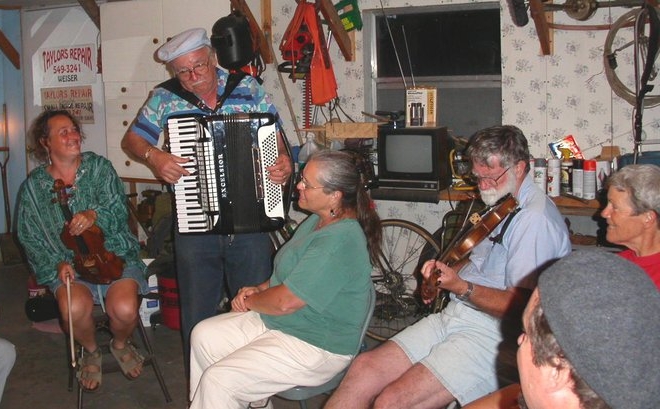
{"x":96,"y":203}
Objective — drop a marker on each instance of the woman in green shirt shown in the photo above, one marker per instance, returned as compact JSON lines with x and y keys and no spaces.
{"x":96,"y":199}
{"x":302,"y":326}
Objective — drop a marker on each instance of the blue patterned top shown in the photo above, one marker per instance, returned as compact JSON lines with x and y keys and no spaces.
{"x":248,"y":96}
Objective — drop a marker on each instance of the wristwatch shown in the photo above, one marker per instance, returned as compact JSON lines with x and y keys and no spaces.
{"x":466,"y":295}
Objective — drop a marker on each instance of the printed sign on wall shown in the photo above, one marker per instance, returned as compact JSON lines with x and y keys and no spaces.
{"x":68,"y":65}
{"x":77,"y":100}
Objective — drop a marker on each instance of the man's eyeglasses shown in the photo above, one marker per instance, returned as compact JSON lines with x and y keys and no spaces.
{"x":488,"y":181}
{"x":202,"y":68}
{"x":304,"y":183}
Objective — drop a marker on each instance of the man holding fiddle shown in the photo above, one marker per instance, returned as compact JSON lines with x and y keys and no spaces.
{"x":452,"y":355}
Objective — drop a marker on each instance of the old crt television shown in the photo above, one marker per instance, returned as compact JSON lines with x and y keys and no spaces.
{"x":414,"y":158}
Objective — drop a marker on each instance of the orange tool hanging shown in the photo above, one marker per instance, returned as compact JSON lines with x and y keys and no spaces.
{"x":306,"y":56}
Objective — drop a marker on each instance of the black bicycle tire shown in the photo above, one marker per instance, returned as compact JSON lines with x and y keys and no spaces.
{"x":426,"y":240}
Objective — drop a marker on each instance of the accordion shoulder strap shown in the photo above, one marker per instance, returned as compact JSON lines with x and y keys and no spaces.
{"x":174,"y":86}
{"x":232,"y":82}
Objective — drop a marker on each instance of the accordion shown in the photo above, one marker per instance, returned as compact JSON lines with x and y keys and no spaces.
{"x":228,"y":190}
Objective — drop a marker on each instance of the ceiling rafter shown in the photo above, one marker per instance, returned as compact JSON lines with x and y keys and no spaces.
{"x":93,"y":11}
{"x":10,"y":51}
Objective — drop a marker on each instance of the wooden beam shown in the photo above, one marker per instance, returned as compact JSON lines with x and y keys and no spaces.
{"x":92,"y":10}
{"x":8,"y":50}
{"x":542,"y":27}
{"x":267,"y":26}
{"x":258,"y":34}
{"x":337,"y":27}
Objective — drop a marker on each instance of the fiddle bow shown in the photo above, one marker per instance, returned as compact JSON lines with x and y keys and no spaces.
{"x":481,"y":226}
{"x":91,"y":260}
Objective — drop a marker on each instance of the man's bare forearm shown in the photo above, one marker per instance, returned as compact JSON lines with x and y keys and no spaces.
{"x":136,"y":146}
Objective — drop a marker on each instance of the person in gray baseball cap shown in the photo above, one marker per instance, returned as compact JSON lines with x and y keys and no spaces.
{"x":591,"y":339}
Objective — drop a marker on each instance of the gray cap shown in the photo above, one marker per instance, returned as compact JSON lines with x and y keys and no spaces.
{"x":183,"y":43}
{"x":605,"y":313}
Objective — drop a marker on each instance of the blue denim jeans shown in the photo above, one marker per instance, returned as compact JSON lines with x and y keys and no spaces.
{"x":206,"y":262}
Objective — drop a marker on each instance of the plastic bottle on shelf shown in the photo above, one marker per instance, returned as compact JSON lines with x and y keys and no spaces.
{"x":306,"y":150}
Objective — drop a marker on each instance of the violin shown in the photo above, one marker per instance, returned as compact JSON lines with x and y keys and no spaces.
{"x":481,"y":226}
{"x":91,"y":260}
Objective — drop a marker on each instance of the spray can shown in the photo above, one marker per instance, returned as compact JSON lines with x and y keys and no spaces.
{"x":554,"y":177}
{"x":540,"y":173}
{"x":578,"y":177}
{"x":589,"y":188}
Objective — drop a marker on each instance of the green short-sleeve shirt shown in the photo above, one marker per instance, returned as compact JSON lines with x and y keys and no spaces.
{"x":330,"y":270}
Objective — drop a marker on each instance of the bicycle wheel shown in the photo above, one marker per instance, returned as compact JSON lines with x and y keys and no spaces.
{"x":406,"y":246}
{"x":620,"y":48}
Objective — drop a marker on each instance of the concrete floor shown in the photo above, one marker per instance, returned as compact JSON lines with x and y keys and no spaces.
{"x":39,"y":377}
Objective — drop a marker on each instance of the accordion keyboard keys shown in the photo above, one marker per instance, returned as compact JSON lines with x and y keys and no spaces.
{"x":191,"y":218}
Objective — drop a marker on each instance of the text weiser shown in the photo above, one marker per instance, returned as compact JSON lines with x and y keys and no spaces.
{"x":67,"y":78}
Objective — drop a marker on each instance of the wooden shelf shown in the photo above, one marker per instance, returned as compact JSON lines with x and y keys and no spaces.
{"x":451,"y":194}
{"x":577,"y":207}
{"x":567,"y":205}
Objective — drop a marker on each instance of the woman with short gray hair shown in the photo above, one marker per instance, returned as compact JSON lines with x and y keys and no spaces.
{"x":633,"y":205}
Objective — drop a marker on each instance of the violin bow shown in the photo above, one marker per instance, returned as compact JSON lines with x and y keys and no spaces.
{"x":68,"y":301}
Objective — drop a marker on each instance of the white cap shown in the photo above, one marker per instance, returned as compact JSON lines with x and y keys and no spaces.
{"x":183,"y":43}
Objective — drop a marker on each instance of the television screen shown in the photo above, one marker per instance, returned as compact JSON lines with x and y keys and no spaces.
{"x":410,"y":153}
{"x":413,"y":163}
{"x":414,"y":158}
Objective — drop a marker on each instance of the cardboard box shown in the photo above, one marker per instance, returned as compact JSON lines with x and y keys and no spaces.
{"x":609,"y":152}
{"x":343,"y":130}
{"x":149,"y":306}
{"x":421,"y":106}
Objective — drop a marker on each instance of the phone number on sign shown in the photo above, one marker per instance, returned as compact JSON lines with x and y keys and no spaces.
{"x":67,"y":69}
